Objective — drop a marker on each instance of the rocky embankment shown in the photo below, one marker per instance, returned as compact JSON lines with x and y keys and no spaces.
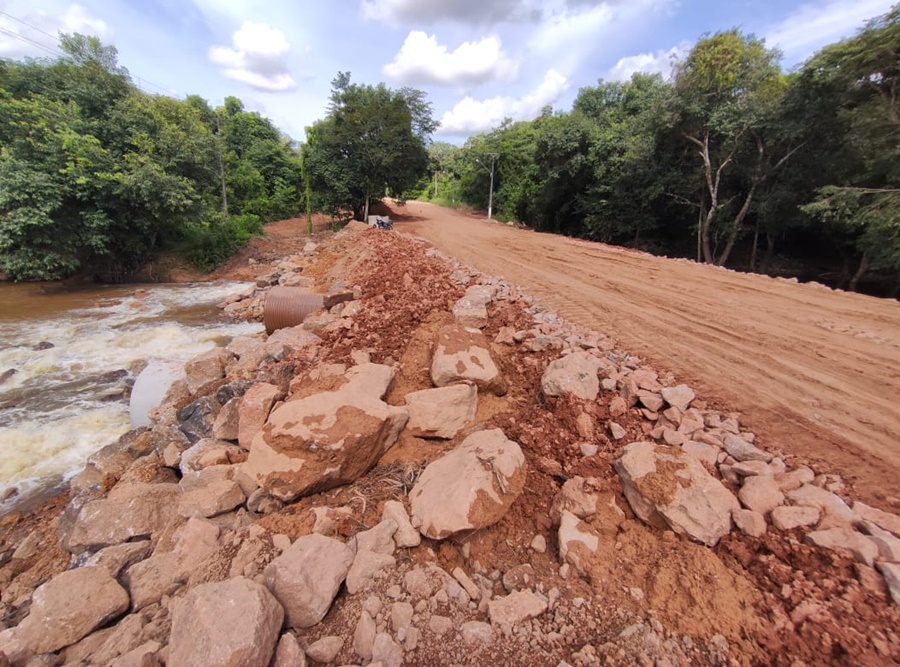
{"x":434,"y":470}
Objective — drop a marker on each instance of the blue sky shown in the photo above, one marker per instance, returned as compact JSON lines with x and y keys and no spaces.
{"x":479,"y":60}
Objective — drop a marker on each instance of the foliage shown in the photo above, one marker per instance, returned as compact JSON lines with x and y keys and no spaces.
{"x":373,"y":142}
{"x":97,"y":176}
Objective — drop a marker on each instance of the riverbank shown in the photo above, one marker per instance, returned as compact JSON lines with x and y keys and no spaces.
{"x":463,"y":470}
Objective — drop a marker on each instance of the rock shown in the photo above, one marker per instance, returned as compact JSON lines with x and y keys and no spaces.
{"x":209,"y":452}
{"x":378,"y":539}
{"x":364,"y":636}
{"x":794,"y":479}
{"x":470,"y":487}
{"x":788,"y":518}
{"x":254,"y":410}
{"x":476,"y":632}
{"x":539,"y":544}
{"x":506,"y":336}
{"x":233,"y":623}
{"x":442,"y":412}
{"x":164,"y":572}
{"x":386,"y":651}
{"x":440,"y":625}
{"x":406,"y":535}
{"x":650,"y":400}
{"x":616,"y":431}
{"x":288,"y":652}
{"x":211,"y":499}
{"x":750,"y":522}
{"x":674,"y":438}
{"x":666,"y":487}
{"x":678,"y":397}
{"x":471,"y":309}
{"x":846,"y":539}
{"x":701,"y":451}
{"x":327,"y":439}
{"x":196,"y":419}
{"x":466,"y":582}
{"x":366,"y":564}
{"x":225,"y":426}
{"x":888,"y":545}
{"x":578,"y":496}
{"x":290,"y":340}
{"x":825,"y":501}
{"x":462,"y":355}
{"x":577,"y":542}
{"x":752,"y":468}
{"x":884,"y":520}
{"x":401,"y":616}
{"x":761,"y":494}
{"x":306,"y":577}
{"x":588,"y":449}
{"x":617,"y":407}
{"x":574,"y":374}
{"x":584,"y":424}
{"x":130,"y":511}
{"x":742,"y":450}
{"x":509,"y":611}
{"x":120,"y":557}
{"x":325,"y":650}
{"x":206,"y":369}
{"x":69,"y":607}
{"x":142,"y":656}
{"x":891,"y":574}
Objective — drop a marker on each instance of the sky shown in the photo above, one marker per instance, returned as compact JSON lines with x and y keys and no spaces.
{"x":480,"y":61}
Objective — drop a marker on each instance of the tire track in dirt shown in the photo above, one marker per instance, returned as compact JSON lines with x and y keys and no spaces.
{"x":815,"y":372}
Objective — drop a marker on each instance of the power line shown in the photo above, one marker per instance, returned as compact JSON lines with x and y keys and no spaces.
{"x":56,"y":52}
{"x":26,"y":40}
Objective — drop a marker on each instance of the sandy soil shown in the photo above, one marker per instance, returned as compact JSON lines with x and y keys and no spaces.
{"x":814,"y":372}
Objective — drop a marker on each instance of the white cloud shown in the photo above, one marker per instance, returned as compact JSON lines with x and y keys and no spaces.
{"x":813,"y":26}
{"x":650,"y":63}
{"x":476,"y":12}
{"x":469,"y":115}
{"x":422,"y":60}
{"x":75,"y":19}
{"x":259,"y":58}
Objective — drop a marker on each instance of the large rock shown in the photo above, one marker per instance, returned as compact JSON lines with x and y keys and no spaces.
{"x":232,"y":623}
{"x":69,"y":607}
{"x":509,"y":611}
{"x":742,"y":450}
{"x":441,"y":412}
{"x":289,"y":340}
{"x":307,"y":576}
{"x":678,"y":397}
{"x":327,"y":439}
{"x":462,"y":355}
{"x":828,"y":503}
{"x":204,"y":370}
{"x":163,"y":573}
{"x":577,"y":542}
{"x":471,"y":309}
{"x":130,"y":511}
{"x":761,"y":494}
{"x":254,"y":410}
{"x":668,"y":488}
{"x":884,"y":520}
{"x":846,"y":539}
{"x":470,"y":487}
{"x":891,"y":573}
{"x":574,"y":374}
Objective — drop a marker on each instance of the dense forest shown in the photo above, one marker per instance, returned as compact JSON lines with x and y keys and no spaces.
{"x":732,"y":161}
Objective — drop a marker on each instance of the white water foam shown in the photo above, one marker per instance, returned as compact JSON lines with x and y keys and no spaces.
{"x":57,"y":409}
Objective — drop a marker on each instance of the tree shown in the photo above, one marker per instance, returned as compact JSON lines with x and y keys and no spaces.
{"x":729,"y":87}
{"x":372,"y":142}
{"x":864,"y":200}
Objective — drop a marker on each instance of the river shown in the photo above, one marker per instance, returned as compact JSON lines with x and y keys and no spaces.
{"x":68,"y":358}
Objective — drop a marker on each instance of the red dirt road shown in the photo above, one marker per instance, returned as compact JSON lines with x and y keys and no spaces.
{"x":814,"y":373}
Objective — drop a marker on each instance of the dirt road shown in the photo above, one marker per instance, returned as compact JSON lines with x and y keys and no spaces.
{"x":814,"y":372}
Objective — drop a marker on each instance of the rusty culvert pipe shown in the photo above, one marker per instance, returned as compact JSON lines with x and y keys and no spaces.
{"x":288,"y":307}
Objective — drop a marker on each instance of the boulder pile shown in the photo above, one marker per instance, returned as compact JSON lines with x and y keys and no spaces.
{"x":438,"y":471}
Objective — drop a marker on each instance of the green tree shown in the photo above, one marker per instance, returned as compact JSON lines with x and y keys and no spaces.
{"x":372,"y":142}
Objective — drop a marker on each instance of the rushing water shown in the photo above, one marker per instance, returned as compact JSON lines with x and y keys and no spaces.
{"x":68,"y":358}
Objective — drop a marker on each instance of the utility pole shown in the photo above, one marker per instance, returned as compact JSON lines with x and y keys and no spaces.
{"x":491,"y":192}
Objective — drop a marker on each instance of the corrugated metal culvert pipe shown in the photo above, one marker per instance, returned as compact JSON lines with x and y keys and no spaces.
{"x":288,"y":307}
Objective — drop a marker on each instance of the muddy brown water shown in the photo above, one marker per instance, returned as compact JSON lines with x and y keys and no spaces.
{"x":68,"y":357}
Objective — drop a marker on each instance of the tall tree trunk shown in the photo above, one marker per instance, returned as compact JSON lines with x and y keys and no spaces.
{"x":366,"y":210}
{"x":860,"y":271}
{"x":737,"y":224}
{"x":713,"y":180}
{"x":221,"y":156}
{"x":755,"y":245}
